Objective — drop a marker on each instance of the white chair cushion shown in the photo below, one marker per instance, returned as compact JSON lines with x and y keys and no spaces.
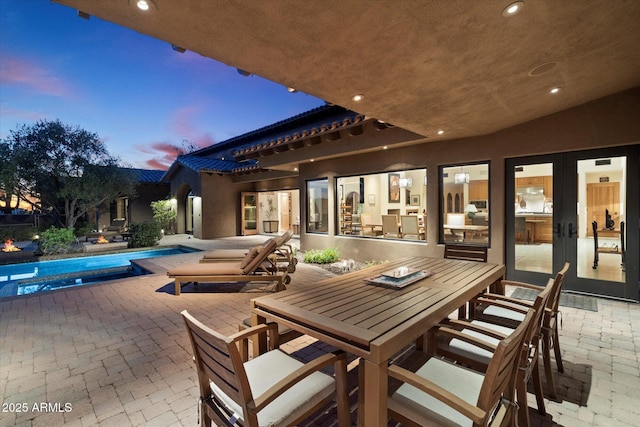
{"x":492,"y":310}
{"x":460,"y":381}
{"x":473,"y":352}
{"x":266,"y":370}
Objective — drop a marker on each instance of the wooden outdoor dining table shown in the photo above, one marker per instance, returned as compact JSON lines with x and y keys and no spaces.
{"x":376,"y":322}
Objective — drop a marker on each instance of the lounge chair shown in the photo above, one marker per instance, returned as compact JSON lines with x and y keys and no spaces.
{"x":283,"y":254}
{"x":255,"y":267}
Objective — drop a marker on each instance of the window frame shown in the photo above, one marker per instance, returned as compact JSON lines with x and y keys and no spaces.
{"x":380,"y":199}
{"x":444,"y":201}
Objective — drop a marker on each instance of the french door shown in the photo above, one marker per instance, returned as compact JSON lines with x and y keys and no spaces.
{"x":559,"y":202}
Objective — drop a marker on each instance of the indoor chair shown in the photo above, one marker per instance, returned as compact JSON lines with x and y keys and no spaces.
{"x":390,"y":226}
{"x":368,"y":228}
{"x":409,"y":227}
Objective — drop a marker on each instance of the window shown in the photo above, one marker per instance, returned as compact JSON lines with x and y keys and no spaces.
{"x":388,"y":205}
{"x":465,"y":204}
{"x":317,"y":206}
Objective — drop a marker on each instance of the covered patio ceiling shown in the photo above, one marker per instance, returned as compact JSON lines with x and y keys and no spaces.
{"x":458,"y":66}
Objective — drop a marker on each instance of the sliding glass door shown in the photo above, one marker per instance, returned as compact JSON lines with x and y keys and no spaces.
{"x":578,"y":207}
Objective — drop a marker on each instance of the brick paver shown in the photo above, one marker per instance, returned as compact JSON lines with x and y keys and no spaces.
{"x":117,"y":354}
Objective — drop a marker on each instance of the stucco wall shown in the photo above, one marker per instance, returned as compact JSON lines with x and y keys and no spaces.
{"x":221,"y":214}
{"x":140,"y":206}
{"x":606,"y":122}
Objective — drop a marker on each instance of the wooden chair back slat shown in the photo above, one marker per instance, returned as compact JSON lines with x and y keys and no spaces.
{"x":466,"y":252}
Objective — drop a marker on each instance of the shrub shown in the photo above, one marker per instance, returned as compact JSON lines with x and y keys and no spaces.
{"x":83,"y":230}
{"x":164,"y":214}
{"x":321,"y":256}
{"x":144,"y":234}
{"x":56,"y":241}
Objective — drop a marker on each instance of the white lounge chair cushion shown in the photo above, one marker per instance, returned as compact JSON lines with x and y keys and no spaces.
{"x":460,"y":381}
{"x":267,"y":369}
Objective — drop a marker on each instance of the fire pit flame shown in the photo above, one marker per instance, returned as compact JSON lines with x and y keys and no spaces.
{"x":9,"y":247}
{"x":101,"y":240}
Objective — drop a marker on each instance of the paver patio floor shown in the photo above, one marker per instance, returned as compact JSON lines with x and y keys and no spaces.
{"x":116,"y":353}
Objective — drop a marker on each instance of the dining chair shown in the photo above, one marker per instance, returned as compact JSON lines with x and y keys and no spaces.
{"x":272,"y":389}
{"x":465,"y":252}
{"x":456,"y":223}
{"x":390,"y":227}
{"x":409,"y":227}
{"x":455,"y":347}
{"x":368,"y":229}
{"x":426,"y":390}
{"x":508,"y":317}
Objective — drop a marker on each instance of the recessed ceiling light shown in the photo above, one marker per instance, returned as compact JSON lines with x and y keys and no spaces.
{"x":295,"y":169}
{"x":312,"y":160}
{"x":358,"y":98}
{"x":291,"y":90}
{"x":440,"y":132}
{"x":385,"y":147}
{"x":555,"y":90}
{"x":143,"y":5}
{"x":512,"y":8}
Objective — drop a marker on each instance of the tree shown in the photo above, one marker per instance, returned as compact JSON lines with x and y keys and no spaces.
{"x":68,"y":170}
{"x":7,"y":180}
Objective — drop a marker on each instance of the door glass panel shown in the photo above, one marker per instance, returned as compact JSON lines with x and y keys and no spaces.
{"x":249,"y":204}
{"x":601,"y":217}
{"x":318,"y":206}
{"x":533,"y":221}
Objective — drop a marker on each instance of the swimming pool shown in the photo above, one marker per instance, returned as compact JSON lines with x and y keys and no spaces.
{"x":31,"y":277}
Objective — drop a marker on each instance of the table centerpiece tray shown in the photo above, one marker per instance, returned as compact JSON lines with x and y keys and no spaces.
{"x":399,"y":277}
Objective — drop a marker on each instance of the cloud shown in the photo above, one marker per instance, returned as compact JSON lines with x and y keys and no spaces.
{"x":183,"y":126}
{"x":163,"y":154}
{"x":169,"y":150}
{"x":17,"y":71}
{"x":188,"y":137}
{"x":23,"y":115}
{"x":155,"y":164}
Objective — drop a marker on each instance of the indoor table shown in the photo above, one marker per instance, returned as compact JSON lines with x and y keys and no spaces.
{"x":373,"y":321}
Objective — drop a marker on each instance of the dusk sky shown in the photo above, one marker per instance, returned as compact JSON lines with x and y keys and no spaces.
{"x":141,"y":97}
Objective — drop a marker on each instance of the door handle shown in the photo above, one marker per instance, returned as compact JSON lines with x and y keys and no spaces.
{"x":571,"y":230}
{"x":559,"y":232}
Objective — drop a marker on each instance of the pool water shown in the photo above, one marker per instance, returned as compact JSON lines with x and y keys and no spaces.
{"x":31,"y":277}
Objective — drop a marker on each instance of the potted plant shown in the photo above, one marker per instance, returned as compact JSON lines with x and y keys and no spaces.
{"x":269,"y":225}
